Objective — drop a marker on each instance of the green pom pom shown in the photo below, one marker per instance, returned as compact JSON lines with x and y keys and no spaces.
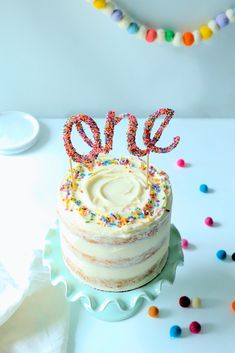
{"x":169,"y":35}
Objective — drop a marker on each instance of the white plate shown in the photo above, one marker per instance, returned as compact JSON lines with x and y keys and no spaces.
{"x":18,"y":132}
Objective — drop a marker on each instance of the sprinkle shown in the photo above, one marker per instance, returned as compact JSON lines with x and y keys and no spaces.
{"x":221,"y":254}
{"x":184,"y":301}
{"x":153,"y":311}
{"x":195,"y":327}
{"x":209,"y":221}
{"x":175,"y":331}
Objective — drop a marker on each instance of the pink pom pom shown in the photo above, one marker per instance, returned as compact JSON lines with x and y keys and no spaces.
{"x":209,"y":221}
{"x":184,"y":243}
{"x":180,"y":163}
{"x":195,"y":327}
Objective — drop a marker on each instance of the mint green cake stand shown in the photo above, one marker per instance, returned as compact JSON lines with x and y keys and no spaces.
{"x":108,"y":306}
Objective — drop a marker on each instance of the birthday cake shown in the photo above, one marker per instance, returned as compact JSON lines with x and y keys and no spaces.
{"x":115,"y":213}
{"x":115,"y":230}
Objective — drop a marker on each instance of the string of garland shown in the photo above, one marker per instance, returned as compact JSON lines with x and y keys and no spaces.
{"x":159,"y":35}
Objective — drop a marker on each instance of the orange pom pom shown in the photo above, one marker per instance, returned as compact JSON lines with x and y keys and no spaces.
{"x":233,"y":305}
{"x":153,"y":311}
{"x":188,"y":38}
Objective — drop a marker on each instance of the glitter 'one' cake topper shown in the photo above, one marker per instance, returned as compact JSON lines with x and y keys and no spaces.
{"x":110,"y":123}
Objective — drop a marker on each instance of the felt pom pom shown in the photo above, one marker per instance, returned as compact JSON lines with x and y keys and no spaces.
{"x":221,"y":254}
{"x":141,"y":34}
{"x":133,"y":28}
{"x":197,"y":37}
{"x":153,"y":311}
{"x":233,"y":306}
{"x":99,"y":4}
{"x":160,"y":35}
{"x":177,"y":41}
{"x":222,"y":20}
{"x":181,"y":163}
{"x":233,"y":256}
{"x":205,"y":32}
{"x":203,"y":188}
{"x":188,"y":38}
{"x":213,"y":26}
{"x":230,"y":14}
{"x":151,"y":35}
{"x":175,"y":331}
{"x":209,"y":221}
{"x":117,"y":15}
{"x":196,"y":302}
{"x":125,"y":22}
{"x":184,"y":243}
{"x":195,"y":327}
{"x":184,"y":301}
{"x":169,"y":35}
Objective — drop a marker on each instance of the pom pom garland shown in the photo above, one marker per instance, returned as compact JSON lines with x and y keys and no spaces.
{"x":158,"y":35}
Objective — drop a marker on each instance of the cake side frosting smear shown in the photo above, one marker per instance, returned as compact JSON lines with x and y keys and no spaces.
{"x":114,"y":230}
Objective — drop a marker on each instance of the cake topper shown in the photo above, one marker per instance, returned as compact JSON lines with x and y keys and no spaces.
{"x":111,"y":121}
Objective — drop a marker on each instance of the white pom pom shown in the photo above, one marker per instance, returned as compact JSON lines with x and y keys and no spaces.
{"x":213,"y":26}
{"x":230,"y":14}
{"x":160,"y":35}
{"x":177,"y":40}
{"x":108,"y":9}
{"x":125,"y":22}
{"x":197,"y":37}
{"x":141,"y":34}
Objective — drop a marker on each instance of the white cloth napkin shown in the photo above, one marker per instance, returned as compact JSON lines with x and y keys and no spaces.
{"x":34,"y":316}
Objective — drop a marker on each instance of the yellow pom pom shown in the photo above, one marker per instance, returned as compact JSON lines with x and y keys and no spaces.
{"x":100,"y":4}
{"x":205,"y":32}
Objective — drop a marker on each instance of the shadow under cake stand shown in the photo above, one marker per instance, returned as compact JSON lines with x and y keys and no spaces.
{"x":108,"y":306}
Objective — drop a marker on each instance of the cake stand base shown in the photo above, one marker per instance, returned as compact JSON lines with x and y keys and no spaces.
{"x":108,"y":306}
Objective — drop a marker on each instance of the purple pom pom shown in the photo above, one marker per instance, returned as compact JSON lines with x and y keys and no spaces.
{"x":117,"y":15}
{"x":222,"y":20}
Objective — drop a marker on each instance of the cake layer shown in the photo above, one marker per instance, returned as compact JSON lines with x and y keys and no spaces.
{"x":117,"y":285}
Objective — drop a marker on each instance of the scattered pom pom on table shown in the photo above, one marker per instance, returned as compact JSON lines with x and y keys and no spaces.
{"x":221,"y":254}
{"x":151,"y":35}
{"x":175,"y":331}
{"x":184,"y":243}
{"x":209,"y":221}
{"x":233,"y":306}
{"x":233,"y":256}
{"x":153,"y":311}
{"x":181,"y":163}
{"x":184,"y":301}
{"x":196,"y":302}
{"x":195,"y":327}
{"x":203,"y":188}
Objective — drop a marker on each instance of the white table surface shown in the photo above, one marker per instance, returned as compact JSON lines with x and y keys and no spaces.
{"x":29,"y":183}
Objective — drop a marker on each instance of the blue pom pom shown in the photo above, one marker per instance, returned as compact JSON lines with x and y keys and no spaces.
{"x":175,"y":331}
{"x":133,"y":28}
{"x":221,"y":254}
{"x":204,"y":188}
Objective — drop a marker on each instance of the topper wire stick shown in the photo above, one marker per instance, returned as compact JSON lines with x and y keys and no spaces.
{"x":147,"y":171}
{"x":71,"y":172}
